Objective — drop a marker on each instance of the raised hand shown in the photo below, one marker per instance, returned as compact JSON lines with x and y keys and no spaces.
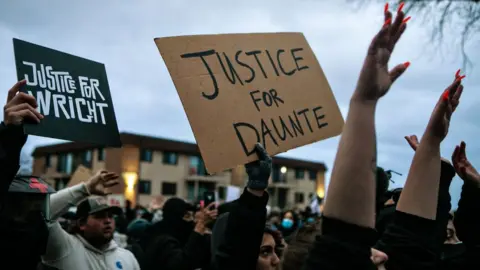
{"x":446,"y":105}
{"x":100,"y":182}
{"x":20,"y":107}
{"x":207,"y":214}
{"x":412,"y":141}
{"x":259,"y":171}
{"x":375,"y":78}
{"x":463,"y":167}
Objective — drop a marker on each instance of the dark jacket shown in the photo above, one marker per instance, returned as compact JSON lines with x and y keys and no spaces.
{"x":12,"y":140}
{"x":171,"y":244}
{"x":412,"y":242}
{"x":467,"y":224}
{"x":236,"y":245}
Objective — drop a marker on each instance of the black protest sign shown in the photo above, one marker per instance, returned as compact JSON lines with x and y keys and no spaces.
{"x":72,"y":93}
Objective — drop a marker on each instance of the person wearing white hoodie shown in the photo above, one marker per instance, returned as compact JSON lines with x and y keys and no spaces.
{"x":91,"y":247}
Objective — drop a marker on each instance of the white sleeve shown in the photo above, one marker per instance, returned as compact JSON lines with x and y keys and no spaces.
{"x":61,"y":201}
{"x":136,"y":266}
{"x":59,"y":245}
{"x":134,"y":261}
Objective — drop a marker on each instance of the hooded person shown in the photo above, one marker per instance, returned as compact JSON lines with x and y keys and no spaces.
{"x":24,"y":217}
{"x":177,"y":242}
{"x":177,"y":221}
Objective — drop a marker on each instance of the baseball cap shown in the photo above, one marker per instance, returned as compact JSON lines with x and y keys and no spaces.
{"x":95,"y":204}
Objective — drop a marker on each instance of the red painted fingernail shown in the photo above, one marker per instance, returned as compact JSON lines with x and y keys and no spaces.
{"x":400,"y":7}
{"x":387,"y":22}
{"x":386,"y":8}
{"x":457,"y":74}
{"x":406,"y":19}
{"x":406,"y":64}
{"x":445,"y":95}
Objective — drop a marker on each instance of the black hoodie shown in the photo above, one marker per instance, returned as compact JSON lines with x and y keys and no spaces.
{"x":171,"y":244}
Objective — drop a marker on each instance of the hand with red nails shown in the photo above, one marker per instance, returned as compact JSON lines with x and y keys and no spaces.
{"x":375,"y":78}
{"x":446,"y":105}
{"x":463,"y":167}
{"x":20,"y":107}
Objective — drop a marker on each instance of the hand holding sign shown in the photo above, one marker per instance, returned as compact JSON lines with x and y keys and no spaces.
{"x":20,"y":107}
{"x":375,"y":78}
{"x":259,"y":171}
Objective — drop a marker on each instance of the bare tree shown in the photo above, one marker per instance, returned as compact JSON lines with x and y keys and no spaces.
{"x":26,"y":163}
{"x":460,"y":16}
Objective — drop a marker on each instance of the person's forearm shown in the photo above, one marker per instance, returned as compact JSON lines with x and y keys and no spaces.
{"x":351,"y":193}
{"x":419,"y":196}
{"x":66,"y":198}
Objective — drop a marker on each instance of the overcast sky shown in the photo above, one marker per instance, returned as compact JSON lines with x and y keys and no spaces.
{"x":120,"y":34}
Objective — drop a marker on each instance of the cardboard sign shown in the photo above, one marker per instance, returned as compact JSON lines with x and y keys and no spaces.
{"x":81,"y":174}
{"x":239,"y":89}
{"x":72,"y":93}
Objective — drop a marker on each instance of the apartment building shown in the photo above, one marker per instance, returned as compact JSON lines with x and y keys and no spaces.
{"x":151,"y":167}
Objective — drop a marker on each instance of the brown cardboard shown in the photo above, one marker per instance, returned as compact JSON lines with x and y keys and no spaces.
{"x":301,"y":85}
{"x":80,"y":175}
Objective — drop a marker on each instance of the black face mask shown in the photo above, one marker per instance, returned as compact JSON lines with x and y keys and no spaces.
{"x":188,"y":226}
{"x":29,"y":237}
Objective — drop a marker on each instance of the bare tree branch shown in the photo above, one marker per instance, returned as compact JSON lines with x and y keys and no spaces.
{"x":457,"y":16}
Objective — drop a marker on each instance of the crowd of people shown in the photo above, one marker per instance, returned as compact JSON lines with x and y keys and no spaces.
{"x":363,"y":224}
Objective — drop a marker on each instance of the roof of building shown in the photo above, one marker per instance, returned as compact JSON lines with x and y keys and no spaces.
{"x":163,"y":144}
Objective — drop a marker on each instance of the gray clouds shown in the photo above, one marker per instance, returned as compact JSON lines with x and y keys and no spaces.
{"x":120,"y":34}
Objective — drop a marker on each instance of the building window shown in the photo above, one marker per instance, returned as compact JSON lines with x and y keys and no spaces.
{"x":276,"y":174}
{"x":144,"y":187}
{"x":64,"y":163}
{"x":69,"y":164}
{"x":196,"y":166}
{"x":146,"y":155}
{"x":101,"y":154}
{"x":205,"y":186}
{"x":61,"y":160}
{"x":191,"y":191}
{"x":311,"y":196}
{"x":299,"y":173}
{"x":222,"y":193}
{"x":87,"y":158}
{"x":61,"y":183}
{"x":170,"y":158}
{"x":312,"y":175}
{"x":48,"y":161}
{"x":169,"y":189}
{"x":299,"y":197}
{"x":279,"y":174}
